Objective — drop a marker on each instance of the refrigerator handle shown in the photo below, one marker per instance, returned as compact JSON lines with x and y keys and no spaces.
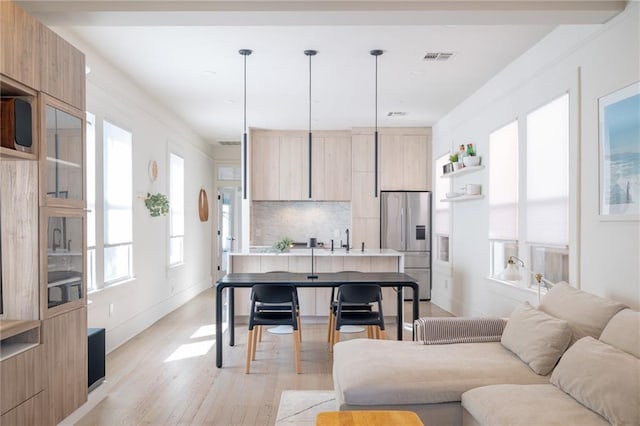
{"x":410,"y":235}
{"x":402,"y":225}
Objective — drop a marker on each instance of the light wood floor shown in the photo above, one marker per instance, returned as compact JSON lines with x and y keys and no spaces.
{"x":167,"y":375}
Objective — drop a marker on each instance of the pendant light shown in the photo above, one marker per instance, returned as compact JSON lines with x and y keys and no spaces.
{"x":310,"y":53}
{"x":244,"y":53}
{"x":375,"y":53}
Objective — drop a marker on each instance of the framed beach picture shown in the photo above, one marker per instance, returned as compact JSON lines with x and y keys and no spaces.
{"x":619,"y":119}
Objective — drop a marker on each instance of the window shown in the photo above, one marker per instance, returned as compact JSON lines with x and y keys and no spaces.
{"x":118,"y":204}
{"x":442,"y":186}
{"x":176,"y":203}
{"x":91,"y":201}
{"x":503,"y":196}
{"x":547,"y":205}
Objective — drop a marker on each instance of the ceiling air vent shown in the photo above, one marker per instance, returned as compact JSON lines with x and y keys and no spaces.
{"x":438,"y":56}
{"x":396,"y":114}
{"x":229,"y":143}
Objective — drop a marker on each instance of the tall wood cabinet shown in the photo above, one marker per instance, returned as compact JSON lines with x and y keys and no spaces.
{"x":43,"y":325}
{"x":404,"y":164}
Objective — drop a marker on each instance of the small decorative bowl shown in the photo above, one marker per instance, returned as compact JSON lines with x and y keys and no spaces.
{"x":471,"y":161}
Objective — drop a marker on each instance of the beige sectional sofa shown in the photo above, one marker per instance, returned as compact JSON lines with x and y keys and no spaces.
{"x":508,"y":381}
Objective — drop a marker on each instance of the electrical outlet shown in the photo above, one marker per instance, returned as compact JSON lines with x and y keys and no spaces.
{"x":111,"y":309}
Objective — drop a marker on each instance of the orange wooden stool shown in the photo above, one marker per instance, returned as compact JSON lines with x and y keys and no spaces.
{"x":368,"y":418}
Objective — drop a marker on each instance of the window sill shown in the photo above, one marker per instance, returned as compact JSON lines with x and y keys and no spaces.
{"x":112,"y":285}
{"x":509,"y":289}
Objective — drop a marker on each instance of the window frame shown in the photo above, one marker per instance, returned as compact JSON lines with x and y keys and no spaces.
{"x":172,"y":202}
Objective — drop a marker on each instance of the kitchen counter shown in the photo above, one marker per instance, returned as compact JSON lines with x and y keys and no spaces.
{"x":320,"y":252}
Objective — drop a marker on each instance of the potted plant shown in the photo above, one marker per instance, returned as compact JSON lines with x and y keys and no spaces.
{"x":158,"y":204}
{"x":283,"y":245}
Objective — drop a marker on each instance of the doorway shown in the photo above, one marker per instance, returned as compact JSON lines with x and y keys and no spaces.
{"x":229,"y":199}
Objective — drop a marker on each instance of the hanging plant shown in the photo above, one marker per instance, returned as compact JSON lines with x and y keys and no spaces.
{"x":158,"y":204}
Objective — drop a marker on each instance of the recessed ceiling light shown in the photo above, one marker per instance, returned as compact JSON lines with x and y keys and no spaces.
{"x":209,"y":72}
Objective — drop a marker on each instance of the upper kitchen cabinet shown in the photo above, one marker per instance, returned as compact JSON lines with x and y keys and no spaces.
{"x":278,"y":165}
{"x":20,"y":53}
{"x":62,"y":71}
{"x":331,"y":166}
{"x":62,"y":159}
{"x":405,"y":158}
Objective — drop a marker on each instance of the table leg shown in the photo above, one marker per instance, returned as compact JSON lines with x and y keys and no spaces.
{"x":400,"y":303}
{"x":416,"y":309}
{"x":232,"y":317}
{"x":218,"y":327}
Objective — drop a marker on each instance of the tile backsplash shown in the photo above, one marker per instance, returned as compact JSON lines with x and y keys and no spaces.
{"x":299,"y":220}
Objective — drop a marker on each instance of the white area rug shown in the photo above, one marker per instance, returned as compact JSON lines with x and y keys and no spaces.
{"x":300,"y":408}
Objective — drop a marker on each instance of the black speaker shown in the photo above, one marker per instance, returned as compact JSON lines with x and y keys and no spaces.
{"x":96,"y":357}
{"x":16,"y":124}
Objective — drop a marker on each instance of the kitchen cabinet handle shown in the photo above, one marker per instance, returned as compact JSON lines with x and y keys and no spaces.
{"x":402,"y":225}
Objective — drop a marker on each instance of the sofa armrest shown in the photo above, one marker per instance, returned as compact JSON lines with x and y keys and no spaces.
{"x":443,"y":330}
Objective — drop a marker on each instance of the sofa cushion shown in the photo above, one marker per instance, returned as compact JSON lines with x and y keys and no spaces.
{"x":602,"y":378}
{"x":623,"y":332}
{"x":369,"y":372}
{"x":526,"y":405}
{"x":537,"y":338}
{"x":586,"y":314}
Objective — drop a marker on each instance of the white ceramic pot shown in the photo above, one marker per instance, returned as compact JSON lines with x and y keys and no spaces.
{"x":471,"y":161}
{"x":471,"y":189}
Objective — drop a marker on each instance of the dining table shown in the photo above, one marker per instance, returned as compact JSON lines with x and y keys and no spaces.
{"x":231,"y":281}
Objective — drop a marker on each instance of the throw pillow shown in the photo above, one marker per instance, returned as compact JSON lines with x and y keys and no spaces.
{"x":602,"y":378}
{"x":586,"y":313}
{"x":537,"y":338}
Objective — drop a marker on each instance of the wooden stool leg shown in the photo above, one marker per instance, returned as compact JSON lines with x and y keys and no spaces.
{"x":369,"y":332}
{"x":376,"y":332}
{"x":296,"y":349}
{"x":247,"y":365}
{"x":382,"y":334}
{"x":299,"y":326}
{"x":254,"y":344}
{"x":259,"y":330}
{"x":331,"y":325}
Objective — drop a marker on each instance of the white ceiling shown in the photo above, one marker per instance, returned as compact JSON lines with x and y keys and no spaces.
{"x":185,"y":54}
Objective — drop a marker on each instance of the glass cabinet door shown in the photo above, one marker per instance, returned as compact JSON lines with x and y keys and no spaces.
{"x":64,"y":155}
{"x":65,"y":259}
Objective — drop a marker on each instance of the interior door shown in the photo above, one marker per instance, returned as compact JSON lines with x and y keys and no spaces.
{"x":228,"y":225}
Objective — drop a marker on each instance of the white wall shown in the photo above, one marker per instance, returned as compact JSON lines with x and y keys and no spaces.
{"x":588,"y":62}
{"x":156,"y":289}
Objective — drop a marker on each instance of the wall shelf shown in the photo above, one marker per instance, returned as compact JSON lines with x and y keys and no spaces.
{"x":463,"y":171}
{"x":18,"y":336}
{"x":462,"y":198}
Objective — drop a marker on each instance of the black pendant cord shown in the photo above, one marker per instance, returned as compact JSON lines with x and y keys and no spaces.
{"x":310,"y":53}
{"x":375,"y":53}
{"x":310,"y":135}
{"x":245,"y":53}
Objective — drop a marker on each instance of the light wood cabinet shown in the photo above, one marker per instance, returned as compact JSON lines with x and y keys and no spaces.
{"x":62,"y":69}
{"x":31,"y":412}
{"x":293,"y":168}
{"x":265,"y":166}
{"x":21,"y":363}
{"x":280,"y":166}
{"x":20,"y":52}
{"x":65,"y":342}
{"x":405,"y":160}
{"x":331,"y":167}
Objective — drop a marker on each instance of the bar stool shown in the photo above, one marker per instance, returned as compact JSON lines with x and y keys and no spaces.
{"x":278,"y":295}
{"x":281,"y":329}
{"x":333,"y":305}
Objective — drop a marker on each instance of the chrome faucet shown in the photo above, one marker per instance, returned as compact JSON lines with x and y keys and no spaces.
{"x":55,"y":245}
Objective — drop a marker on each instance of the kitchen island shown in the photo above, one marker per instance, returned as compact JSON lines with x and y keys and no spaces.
{"x":314,"y":302}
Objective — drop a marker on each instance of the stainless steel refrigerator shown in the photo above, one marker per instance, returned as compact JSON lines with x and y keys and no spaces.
{"x":405,"y":226}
